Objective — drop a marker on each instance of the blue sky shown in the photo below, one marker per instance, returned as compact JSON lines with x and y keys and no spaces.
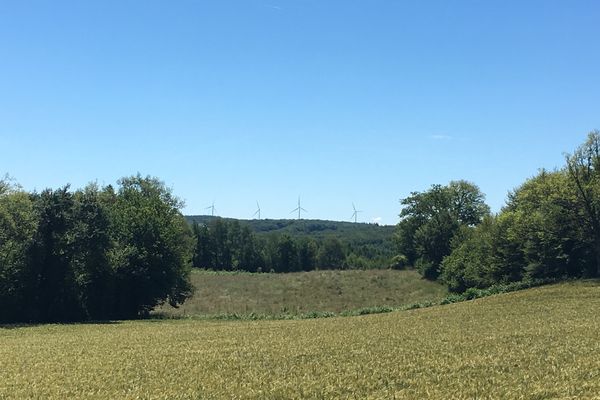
{"x":337,"y":101}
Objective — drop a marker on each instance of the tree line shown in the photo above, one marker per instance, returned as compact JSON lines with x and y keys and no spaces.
{"x":549,"y":228}
{"x":114,"y":253}
{"x":91,"y":254}
{"x":226,"y":245}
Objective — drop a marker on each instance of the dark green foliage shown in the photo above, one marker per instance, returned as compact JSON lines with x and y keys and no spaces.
{"x":230,"y":244}
{"x":248,"y":255}
{"x":151,"y":258}
{"x":18,"y":226}
{"x":203,"y":256}
{"x":549,"y":229}
{"x":430,"y":220}
{"x":307,"y":254}
{"x":286,"y":256}
{"x":583,"y":167}
{"x":92,"y":254}
{"x":91,"y":232}
{"x":371,"y":243}
{"x":331,"y":254}
{"x":537,"y":236}
{"x":478,"y":258}
{"x":475,"y":293}
{"x":54,"y":291}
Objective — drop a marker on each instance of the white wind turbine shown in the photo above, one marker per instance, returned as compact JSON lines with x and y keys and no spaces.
{"x":355,"y":214}
{"x":257,"y":211}
{"x":299,"y":208}
{"x":211,"y":208}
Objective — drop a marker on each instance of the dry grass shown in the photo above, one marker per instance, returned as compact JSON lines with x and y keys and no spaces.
{"x":536,"y":344}
{"x":302,"y":292}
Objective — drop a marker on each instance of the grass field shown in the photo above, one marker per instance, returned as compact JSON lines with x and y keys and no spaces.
{"x":302,"y":292}
{"x":540,"y":343}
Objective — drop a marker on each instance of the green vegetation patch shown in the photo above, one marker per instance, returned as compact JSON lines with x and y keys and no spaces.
{"x":303,"y":292}
{"x":538,"y":343}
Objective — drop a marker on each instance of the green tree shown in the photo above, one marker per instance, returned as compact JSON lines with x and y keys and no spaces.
{"x":547,"y":226}
{"x":249,"y":256}
{"x":55,"y":292}
{"x":536,"y":236}
{"x":331,"y":254}
{"x":584,"y":170}
{"x":91,"y":243}
{"x":18,"y":226}
{"x":203,"y":256}
{"x":429,"y":220}
{"x":153,"y":252}
{"x":219,"y":231}
{"x":307,"y":254}
{"x":473,"y":260}
{"x":287,"y":254}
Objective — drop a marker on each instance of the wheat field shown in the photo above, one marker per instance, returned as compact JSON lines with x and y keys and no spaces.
{"x":540,"y":343}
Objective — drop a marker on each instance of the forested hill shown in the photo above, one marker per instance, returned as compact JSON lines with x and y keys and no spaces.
{"x":315,"y":228}
{"x":284,"y":245}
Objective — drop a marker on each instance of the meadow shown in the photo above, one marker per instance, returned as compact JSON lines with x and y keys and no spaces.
{"x":539,"y":343}
{"x":242,"y":293}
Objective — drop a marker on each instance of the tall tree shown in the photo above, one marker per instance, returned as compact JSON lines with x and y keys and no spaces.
{"x":55,"y":294}
{"x":219,"y":231}
{"x":203,"y":256}
{"x":584,"y":169}
{"x":307,"y":254}
{"x":429,"y":220}
{"x":18,"y":226}
{"x":331,"y":254}
{"x":287,"y":254}
{"x":249,"y":257}
{"x":92,"y":242}
{"x":152,"y":258}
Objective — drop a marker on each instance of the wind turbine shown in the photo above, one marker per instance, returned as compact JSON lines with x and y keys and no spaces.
{"x":355,"y":214}
{"x":211,"y":208}
{"x":257,"y":211}
{"x":299,"y":208}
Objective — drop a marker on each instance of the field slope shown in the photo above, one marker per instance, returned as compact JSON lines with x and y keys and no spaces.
{"x":535,"y":344}
{"x":303,"y":292}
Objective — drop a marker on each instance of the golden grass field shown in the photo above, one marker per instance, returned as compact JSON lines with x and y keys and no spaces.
{"x":303,"y":292}
{"x":541,"y":343}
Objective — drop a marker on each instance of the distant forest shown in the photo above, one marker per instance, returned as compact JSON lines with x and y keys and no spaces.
{"x":289,"y":245}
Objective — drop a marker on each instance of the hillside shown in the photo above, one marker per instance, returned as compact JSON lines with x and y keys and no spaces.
{"x":536,"y":344}
{"x":366,"y":238}
{"x":315,"y":228}
{"x":304,"y":292}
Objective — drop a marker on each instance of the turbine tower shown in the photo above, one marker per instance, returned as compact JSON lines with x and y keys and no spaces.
{"x":211,"y":208}
{"x":299,"y":208}
{"x":355,"y":214}
{"x":257,"y":211}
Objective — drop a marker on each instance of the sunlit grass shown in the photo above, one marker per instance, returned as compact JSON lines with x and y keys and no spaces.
{"x":535,"y":344}
{"x":304,"y":292}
